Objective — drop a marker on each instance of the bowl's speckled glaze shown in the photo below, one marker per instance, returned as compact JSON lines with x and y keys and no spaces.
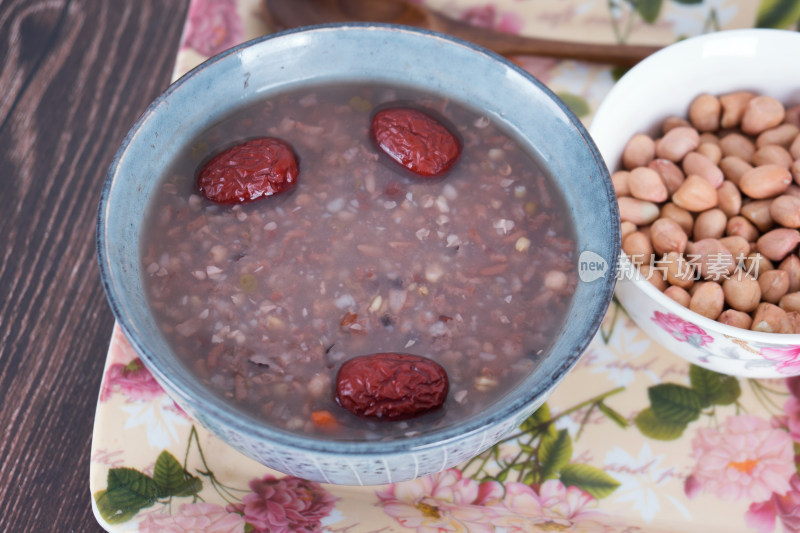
{"x":662,"y":85}
{"x":328,"y":54}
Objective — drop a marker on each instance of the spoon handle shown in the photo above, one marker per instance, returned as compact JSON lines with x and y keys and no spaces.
{"x":507,"y":44}
{"x":293,"y":13}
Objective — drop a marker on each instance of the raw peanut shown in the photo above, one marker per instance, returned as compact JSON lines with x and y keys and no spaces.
{"x":774,"y":284}
{"x":638,"y":151}
{"x":782,"y":135}
{"x":793,"y":115}
{"x":785,"y":210}
{"x":710,"y":224}
{"x":679,"y":272}
{"x":679,"y":295}
{"x":794,"y":189}
{"x":758,"y":213}
{"x":645,"y":184}
{"x":667,"y":236}
{"x":733,"y":106}
{"x":694,"y":288}
{"x":761,"y":113}
{"x":734,"y":168}
{"x":710,"y":149}
{"x":791,"y":265}
{"x":765,"y":181}
{"x":708,"y":300}
{"x":794,"y":168}
{"x":713,"y":260}
{"x":695,"y":163}
{"x":794,"y":148}
{"x":637,"y":246}
{"x":704,"y":112}
{"x":770,"y":318}
{"x":742,"y":292}
{"x":730,"y":199}
{"x":655,"y":276}
{"x":772,"y":154}
{"x":637,"y":211}
{"x":709,"y":137}
{"x":680,"y":215}
{"x":620,"y":181}
{"x":755,"y":264}
{"x":737,"y":319}
{"x":737,"y":145}
{"x":794,"y":318}
{"x":626,"y":228}
{"x":790,"y":302}
{"x":672,"y":122}
{"x":740,"y":226}
{"x":775,"y":245}
{"x":677,"y":142}
{"x":695,"y":194}
{"x":737,"y":246}
{"x":670,"y":172}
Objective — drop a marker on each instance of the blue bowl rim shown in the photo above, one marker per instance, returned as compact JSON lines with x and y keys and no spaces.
{"x":236,"y":419}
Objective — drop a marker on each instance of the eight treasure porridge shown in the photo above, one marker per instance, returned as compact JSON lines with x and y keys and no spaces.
{"x":466,"y":265}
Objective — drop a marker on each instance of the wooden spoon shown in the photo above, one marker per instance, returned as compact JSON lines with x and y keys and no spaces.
{"x":285,"y":14}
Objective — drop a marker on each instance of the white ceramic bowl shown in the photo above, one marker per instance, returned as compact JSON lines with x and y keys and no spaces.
{"x":337,"y":54}
{"x":664,"y":84}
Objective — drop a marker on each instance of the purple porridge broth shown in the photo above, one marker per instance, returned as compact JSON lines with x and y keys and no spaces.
{"x":263,"y":302}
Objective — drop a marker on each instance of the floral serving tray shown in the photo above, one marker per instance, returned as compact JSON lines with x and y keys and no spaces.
{"x":634,"y":439}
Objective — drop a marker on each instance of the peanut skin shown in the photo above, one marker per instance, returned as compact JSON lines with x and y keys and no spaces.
{"x":770,"y":318}
{"x":742,"y":292}
{"x":708,"y":300}
{"x":737,"y":319}
{"x":695,"y":194}
{"x":679,"y":295}
{"x":716,"y":201}
{"x":667,"y":236}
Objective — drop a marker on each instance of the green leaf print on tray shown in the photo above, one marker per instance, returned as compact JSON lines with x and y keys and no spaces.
{"x":546,"y":453}
{"x":673,"y":407}
{"x":129,"y":490}
{"x":782,"y":14}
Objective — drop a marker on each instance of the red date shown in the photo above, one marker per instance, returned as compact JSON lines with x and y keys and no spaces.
{"x":415,"y":140}
{"x":391,"y":386}
{"x":248,"y":171}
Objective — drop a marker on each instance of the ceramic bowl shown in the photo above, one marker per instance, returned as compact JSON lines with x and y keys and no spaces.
{"x":346,"y":53}
{"x":662,"y":85}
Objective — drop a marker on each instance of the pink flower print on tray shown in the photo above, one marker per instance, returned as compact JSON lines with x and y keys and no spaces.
{"x":213,"y":26}
{"x":284,"y":505}
{"x":681,"y":329}
{"x":746,"y":458}
{"x":194,"y":518}
{"x":446,"y":501}
{"x":133,"y":380}
{"x":786,"y":507}
{"x":488,"y":17}
{"x":555,"y":507}
{"x":788,"y":358}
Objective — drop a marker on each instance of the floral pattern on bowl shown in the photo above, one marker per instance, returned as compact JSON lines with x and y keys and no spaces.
{"x":701,"y":341}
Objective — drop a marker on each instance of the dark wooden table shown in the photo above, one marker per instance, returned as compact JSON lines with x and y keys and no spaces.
{"x":74,"y":76}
